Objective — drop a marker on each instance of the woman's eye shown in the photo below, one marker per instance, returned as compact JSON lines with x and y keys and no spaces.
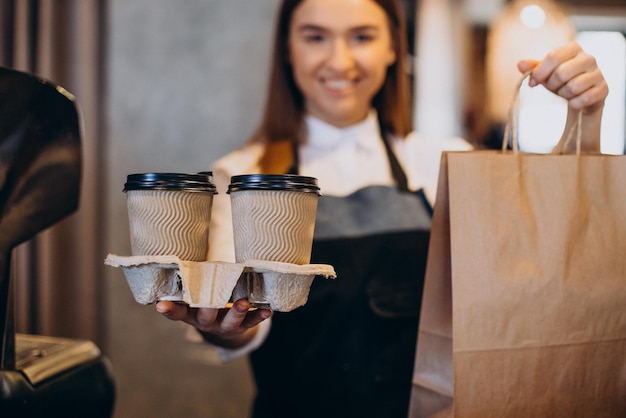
{"x":363,"y":38}
{"x":314,"y":38}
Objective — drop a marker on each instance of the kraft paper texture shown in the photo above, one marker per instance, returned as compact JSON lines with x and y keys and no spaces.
{"x":524,"y":311}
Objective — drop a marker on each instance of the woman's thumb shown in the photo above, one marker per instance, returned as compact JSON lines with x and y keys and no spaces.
{"x":526,"y":65}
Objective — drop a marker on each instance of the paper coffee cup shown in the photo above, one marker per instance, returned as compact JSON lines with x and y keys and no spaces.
{"x":169,"y":214}
{"x":273,"y":219}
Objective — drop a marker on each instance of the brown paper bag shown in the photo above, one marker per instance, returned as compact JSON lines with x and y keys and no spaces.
{"x":524,"y":310}
{"x":433,"y":379}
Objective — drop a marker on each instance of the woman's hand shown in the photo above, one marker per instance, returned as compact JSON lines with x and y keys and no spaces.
{"x":571,"y":73}
{"x":229,"y":327}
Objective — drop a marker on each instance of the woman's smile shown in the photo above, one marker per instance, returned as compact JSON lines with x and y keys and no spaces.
{"x":339,"y":86}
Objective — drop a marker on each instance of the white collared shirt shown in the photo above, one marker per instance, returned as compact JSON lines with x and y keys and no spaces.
{"x":344,"y":159}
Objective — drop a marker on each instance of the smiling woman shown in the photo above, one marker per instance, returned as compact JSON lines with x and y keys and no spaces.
{"x":340,"y":63}
{"x":285,"y":105}
{"x":337,"y":109}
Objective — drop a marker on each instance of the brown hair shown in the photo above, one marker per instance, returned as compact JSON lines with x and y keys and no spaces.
{"x":283,"y":116}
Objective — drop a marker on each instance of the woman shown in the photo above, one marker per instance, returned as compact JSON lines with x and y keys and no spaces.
{"x":338,"y":109}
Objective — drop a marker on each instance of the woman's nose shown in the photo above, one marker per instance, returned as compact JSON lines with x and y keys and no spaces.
{"x":341,"y":56}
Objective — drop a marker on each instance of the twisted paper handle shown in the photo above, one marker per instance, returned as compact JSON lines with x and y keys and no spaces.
{"x":511,"y":129}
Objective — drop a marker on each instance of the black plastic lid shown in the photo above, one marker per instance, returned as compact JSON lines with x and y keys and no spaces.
{"x":199,"y":182}
{"x":273,"y":182}
{"x":208,"y":173}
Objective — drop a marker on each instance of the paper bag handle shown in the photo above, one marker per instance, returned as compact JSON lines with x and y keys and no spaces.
{"x":511,"y":129}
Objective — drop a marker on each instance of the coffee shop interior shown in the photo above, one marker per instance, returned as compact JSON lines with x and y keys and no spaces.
{"x":168,"y":86}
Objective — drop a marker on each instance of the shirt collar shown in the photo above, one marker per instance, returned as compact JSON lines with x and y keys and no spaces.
{"x":322,"y":135}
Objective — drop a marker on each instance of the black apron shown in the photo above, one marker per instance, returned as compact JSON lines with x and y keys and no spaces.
{"x":349,"y":351}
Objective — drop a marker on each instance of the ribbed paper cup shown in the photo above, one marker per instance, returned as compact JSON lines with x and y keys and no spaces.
{"x":273,"y":217}
{"x":169,"y":214}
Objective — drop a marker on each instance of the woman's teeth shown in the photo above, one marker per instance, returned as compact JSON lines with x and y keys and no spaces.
{"x":338,"y":84}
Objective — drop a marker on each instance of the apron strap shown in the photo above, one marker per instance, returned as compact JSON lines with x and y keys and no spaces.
{"x":396,"y":169}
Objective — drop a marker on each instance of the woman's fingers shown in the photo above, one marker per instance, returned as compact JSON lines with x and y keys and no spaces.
{"x":201,"y":318}
{"x":173,"y":311}
{"x":240,"y":316}
{"x":570,"y":73}
{"x":235,"y":319}
{"x":256,"y":317}
{"x":545,"y":72}
{"x":526,"y":65}
{"x":234,"y":316}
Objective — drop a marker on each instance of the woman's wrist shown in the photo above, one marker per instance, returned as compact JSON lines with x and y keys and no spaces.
{"x":590,"y":124}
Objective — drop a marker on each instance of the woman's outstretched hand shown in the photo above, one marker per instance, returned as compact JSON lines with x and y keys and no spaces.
{"x":229,"y":327}
{"x":571,"y":73}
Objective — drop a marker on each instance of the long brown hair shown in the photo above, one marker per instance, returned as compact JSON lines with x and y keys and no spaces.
{"x":282,"y":121}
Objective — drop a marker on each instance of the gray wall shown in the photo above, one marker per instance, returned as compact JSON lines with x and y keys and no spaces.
{"x":186,"y":85}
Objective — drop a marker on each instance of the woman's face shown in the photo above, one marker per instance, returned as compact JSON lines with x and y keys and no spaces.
{"x":339,"y":51}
